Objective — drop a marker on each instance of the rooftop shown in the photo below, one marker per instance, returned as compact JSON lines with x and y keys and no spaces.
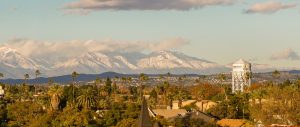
{"x":231,"y":122}
{"x":170,"y":113}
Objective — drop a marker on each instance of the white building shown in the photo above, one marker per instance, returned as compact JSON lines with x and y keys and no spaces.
{"x":241,"y":75}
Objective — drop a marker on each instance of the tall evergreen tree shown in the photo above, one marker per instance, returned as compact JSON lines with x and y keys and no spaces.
{"x":37,"y":73}
{"x":108,"y":86}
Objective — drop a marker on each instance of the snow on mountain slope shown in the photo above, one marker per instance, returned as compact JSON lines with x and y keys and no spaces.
{"x":158,"y":62}
{"x":167,"y":59}
{"x":126,"y":62}
{"x":95,"y":62}
{"x":15,"y":65}
{"x":11,"y":58}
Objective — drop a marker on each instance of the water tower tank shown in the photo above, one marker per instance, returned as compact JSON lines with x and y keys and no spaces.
{"x":241,"y":75}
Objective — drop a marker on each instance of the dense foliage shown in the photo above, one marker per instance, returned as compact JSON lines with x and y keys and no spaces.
{"x":116,"y":102}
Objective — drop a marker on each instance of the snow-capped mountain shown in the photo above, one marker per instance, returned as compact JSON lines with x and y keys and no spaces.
{"x":154,"y":63}
{"x":11,"y":58}
{"x":15,"y":65}
{"x":95,"y":62}
{"x":175,"y":62}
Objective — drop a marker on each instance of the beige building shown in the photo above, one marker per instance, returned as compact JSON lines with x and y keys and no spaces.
{"x":205,"y":105}
{"x":184,"y":103}
{"x":168,"y":113}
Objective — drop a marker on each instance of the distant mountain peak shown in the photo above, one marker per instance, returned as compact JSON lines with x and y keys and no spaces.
{"x":98,"y":62}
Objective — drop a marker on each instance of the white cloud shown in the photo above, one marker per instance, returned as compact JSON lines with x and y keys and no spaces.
{"x":76,"y":47}
{"x":287,"y":54}
{"x":143,"y":4}
{"x":269,"y":7}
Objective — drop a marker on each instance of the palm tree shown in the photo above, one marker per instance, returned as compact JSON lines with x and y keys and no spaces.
{"x":153,"y":97}
{"x":259,"y":94}
{"x":129,"y":83}
{"x":180,"y":96}
{"x":114,"y":89}
{"x":222,"y":77}
{"x":170,"y":96}
{"x":168,"y":76}
{"x":201,"y":97}
{"x":142,"y":79}
{"x":74,"y":76}
{"x":87,"y":99}
{"x":97,"y":83}
{"x":166,"y":86}
{"x":26,"y":77}
{"x":276,"y":74}
{"x":37,"y":73}
{"x":55,"y":93}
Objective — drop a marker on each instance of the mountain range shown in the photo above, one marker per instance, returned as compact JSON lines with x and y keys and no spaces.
{"x":14,"y":64}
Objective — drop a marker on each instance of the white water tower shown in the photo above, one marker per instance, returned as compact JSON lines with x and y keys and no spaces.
{"x":241,"y":75}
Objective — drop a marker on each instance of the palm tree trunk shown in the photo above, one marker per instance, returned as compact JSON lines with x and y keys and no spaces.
{"x":260,"y":105}
{"x":73,"y":93}
{"x":35,"y":85}
{"x":180,"y":103}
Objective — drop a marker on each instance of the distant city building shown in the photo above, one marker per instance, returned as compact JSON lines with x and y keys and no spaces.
{"x":241,"y":75}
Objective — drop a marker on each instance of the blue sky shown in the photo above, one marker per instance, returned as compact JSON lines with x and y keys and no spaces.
{"x":220,"y":33}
